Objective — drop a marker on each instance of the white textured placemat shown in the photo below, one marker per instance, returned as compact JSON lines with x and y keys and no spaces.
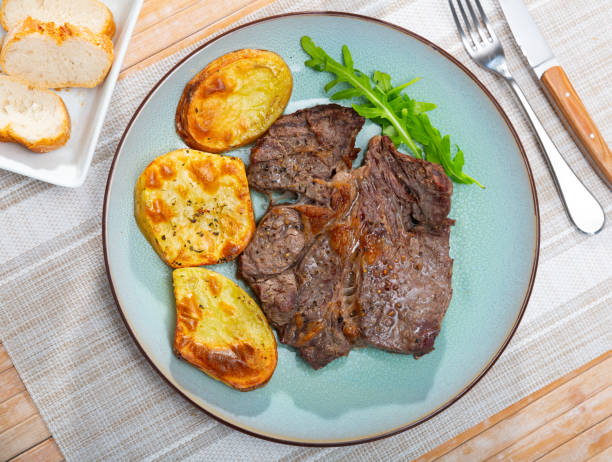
{"x":102,"y":400}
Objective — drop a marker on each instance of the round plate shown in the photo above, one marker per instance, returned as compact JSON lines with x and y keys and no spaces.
{"x":370,"y":393}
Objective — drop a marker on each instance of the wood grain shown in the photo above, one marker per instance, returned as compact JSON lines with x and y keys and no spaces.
{"x":534,"y":415}
{"x":175,"y":26}
{"x":154,"y":11}
{"x":10,"y":384}
{"x":604,"y":456}
{"x":488,"y":438}
{"x":584,"y":446}
{"x":189,"y":23}
{"x":15,"y":410}
{"x":47,"y":451}
{"x":22,"y":430}
{"x":561,"y":429}
{"x":5,"y":361}
{"x":22,"y":437}
{"x":577,"y":119}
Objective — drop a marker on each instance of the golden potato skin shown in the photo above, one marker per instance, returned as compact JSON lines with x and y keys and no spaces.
{"x":233,"y":100}
{"x":221,"y":330}
{"x":194,"y":207}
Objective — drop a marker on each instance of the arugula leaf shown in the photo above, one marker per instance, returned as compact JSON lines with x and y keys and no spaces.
{"x":360,"y":84}
{"x":401,"y":118}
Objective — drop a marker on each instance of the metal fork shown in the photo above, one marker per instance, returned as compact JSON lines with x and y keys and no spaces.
{"x":484,"y":47}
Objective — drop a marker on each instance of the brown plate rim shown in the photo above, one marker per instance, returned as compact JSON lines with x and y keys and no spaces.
{"x":495,"y":357}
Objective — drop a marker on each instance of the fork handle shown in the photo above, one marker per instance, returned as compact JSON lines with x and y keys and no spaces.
{"x":587,"y":136}
{"x":582,"y":208}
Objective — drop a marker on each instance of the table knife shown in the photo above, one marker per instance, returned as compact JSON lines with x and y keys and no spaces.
{"x":558,"y":88}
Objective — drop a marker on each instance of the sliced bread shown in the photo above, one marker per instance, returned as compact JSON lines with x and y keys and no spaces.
{"x":85,"y":13}
{"x":34,"y":117}
{"x":48,"y":55}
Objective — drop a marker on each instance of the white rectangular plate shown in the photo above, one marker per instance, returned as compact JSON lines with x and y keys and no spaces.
{"x":68,"y":165}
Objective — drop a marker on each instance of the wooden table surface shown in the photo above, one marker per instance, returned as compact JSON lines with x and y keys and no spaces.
{"x":570,"y":419}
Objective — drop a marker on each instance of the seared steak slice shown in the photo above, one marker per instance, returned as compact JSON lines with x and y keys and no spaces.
{"x":368,"y":264}
{"x":308,"y":304}
{"x":267,"y":262}
{"x":276,"y":244}
{"x":278,"y":295}
{"x":418,"y":187}
{"x":315,"y":329}
{"x":405,"y":269}
{"x":303,"y":148}
{"x":404,"y":293}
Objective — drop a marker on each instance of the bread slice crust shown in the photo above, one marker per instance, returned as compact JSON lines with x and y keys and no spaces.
{"x":61,"y":35}
{"x":108,"y":28}
{"x":9,"y":134}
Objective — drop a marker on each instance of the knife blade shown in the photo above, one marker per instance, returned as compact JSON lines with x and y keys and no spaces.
{"x":559,"y":89}
{"x":529,"y":38}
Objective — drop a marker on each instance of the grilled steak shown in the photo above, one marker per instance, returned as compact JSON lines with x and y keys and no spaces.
{"x":304,"y":149}
{"x":406,"y":270}
{"x":365,"y":264}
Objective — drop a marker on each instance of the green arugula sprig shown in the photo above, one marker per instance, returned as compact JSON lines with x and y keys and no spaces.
{"x":403,"y":119}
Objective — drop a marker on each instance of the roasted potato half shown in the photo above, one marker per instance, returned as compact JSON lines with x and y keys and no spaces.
{"x":233,"y":100}
{"x":221,"y":330}
{"x":194,"y":207}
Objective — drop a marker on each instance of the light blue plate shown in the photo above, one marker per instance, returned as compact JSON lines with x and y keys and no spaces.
{"x":370,"y":393}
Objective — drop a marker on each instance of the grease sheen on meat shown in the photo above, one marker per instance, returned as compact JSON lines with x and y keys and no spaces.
{"x":303,"y":150}
{"x":365,"y":264}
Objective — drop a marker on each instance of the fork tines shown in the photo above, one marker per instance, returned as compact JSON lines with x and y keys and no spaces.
{"x":476,"y":33}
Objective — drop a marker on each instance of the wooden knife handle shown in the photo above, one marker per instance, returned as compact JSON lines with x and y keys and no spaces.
{"x":575,"y":115}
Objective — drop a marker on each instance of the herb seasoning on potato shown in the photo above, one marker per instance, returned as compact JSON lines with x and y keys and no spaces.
{"x":233,"y":100}
{"x":194,"y":207}
{"x":221,"y":330}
